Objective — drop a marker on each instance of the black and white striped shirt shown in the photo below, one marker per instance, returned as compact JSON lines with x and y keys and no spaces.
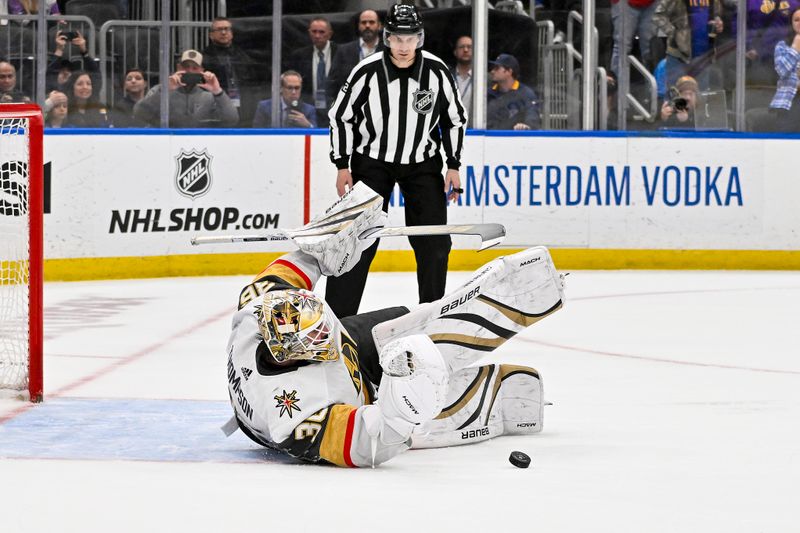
{"x":398,"y":115}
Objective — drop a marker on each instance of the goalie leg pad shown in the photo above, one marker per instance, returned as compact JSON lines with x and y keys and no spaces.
{"x":486,"y":402}
{"x":503,"y":298}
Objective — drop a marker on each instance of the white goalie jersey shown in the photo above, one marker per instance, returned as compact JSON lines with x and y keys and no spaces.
{"x":278,"y":403}
{"x":309,"y":410}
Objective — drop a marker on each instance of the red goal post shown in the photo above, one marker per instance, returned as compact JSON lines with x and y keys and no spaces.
{"x":21,"y":255}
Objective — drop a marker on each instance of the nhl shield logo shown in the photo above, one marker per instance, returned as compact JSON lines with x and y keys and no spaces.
{"x":423,"y":101}
{"x":193,"y":173}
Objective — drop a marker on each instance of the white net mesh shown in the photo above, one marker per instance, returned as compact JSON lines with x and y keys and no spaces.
{"x":14,"y":254}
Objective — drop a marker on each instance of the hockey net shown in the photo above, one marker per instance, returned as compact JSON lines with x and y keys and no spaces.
{"x":21,"y":213}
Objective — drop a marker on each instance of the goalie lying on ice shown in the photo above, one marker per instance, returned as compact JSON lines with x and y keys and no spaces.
{"x":361,"y":390}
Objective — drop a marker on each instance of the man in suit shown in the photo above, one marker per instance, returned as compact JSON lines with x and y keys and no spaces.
{"x":462,"y":71}
{"x":294,"y":112}
{"x":314,"y":63}
{"x":233,"y":67}
{"x":350,"y":54}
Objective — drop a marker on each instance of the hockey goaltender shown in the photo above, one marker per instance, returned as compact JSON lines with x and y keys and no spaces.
{"x":359,"y":390}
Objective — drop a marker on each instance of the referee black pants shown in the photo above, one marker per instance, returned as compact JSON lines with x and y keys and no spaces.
{"x":422,"y":186}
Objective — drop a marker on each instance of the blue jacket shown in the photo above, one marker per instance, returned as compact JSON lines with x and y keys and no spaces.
{"x":519,"y":105}
{"x":263,"y":116}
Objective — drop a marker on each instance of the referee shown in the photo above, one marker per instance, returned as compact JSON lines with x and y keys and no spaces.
{"x":396,"y":111}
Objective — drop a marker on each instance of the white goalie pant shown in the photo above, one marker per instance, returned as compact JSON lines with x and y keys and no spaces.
{"x":503,"y":298}
{"x":485,"y":402}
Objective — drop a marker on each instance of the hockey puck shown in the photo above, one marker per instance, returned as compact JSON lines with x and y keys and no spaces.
{"x":519,"y":459}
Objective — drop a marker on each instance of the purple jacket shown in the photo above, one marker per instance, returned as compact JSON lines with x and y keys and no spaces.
{"x":16,"y":7}
{"x":767,"y":23}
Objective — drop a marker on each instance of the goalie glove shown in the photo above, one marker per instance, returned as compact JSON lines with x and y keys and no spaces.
{"x":414,"y":383}
{"x":412,"y":391}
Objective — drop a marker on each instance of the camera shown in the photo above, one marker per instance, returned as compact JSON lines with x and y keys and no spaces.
{"x":712,"y":29}
{"x":192,"y":78}
{"x":676,"y":101}
{"x":69,"y":35}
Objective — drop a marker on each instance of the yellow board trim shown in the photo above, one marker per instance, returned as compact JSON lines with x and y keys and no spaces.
{"x":403,"y":261}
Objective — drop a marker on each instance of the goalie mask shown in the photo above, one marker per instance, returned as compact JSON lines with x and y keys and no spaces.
{"x":403,"y":19}
{"x":297,"y":325}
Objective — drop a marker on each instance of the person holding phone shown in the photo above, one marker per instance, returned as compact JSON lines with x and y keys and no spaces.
{"x":294,"y":112}
{"x":63,"y":64}
{"x":196,"y":99}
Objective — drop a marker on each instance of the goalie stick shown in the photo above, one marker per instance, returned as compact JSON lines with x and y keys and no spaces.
{"x":490,"y":234}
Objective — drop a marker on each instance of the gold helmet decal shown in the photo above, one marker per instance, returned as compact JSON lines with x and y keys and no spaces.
{"x":296,"y":325}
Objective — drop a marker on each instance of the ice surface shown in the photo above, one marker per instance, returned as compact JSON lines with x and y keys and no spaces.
{"x":676,"y":407}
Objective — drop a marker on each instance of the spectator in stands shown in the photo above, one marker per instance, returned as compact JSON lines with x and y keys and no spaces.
{"x":294,"y":112}
{"x":314,"y":63}
{"x":60,"y":69}
{"x":511,"y":104}
{"x":84,"y":109}
{"x":8,"y":85}
{"x":30,"y":7}
{"x":228,"y":62}
{"x":350,"y":54}
{"x":134,"y":89}
{"x":638,"y":22}
{"x":196,"y":99}
{"x":785,"y":106}
{"x":677,"y":111}
{"x":462,"y":71}
{"x":767,"y":21}
{"x":55,"y":109}
{"x":690,"y":28}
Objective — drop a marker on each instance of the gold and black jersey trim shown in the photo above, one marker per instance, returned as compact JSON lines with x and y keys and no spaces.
{"x":326,"y":435}
{"x":263,"y":284}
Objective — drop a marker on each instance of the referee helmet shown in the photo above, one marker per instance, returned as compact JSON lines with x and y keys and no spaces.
{"x":403,"y":19}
